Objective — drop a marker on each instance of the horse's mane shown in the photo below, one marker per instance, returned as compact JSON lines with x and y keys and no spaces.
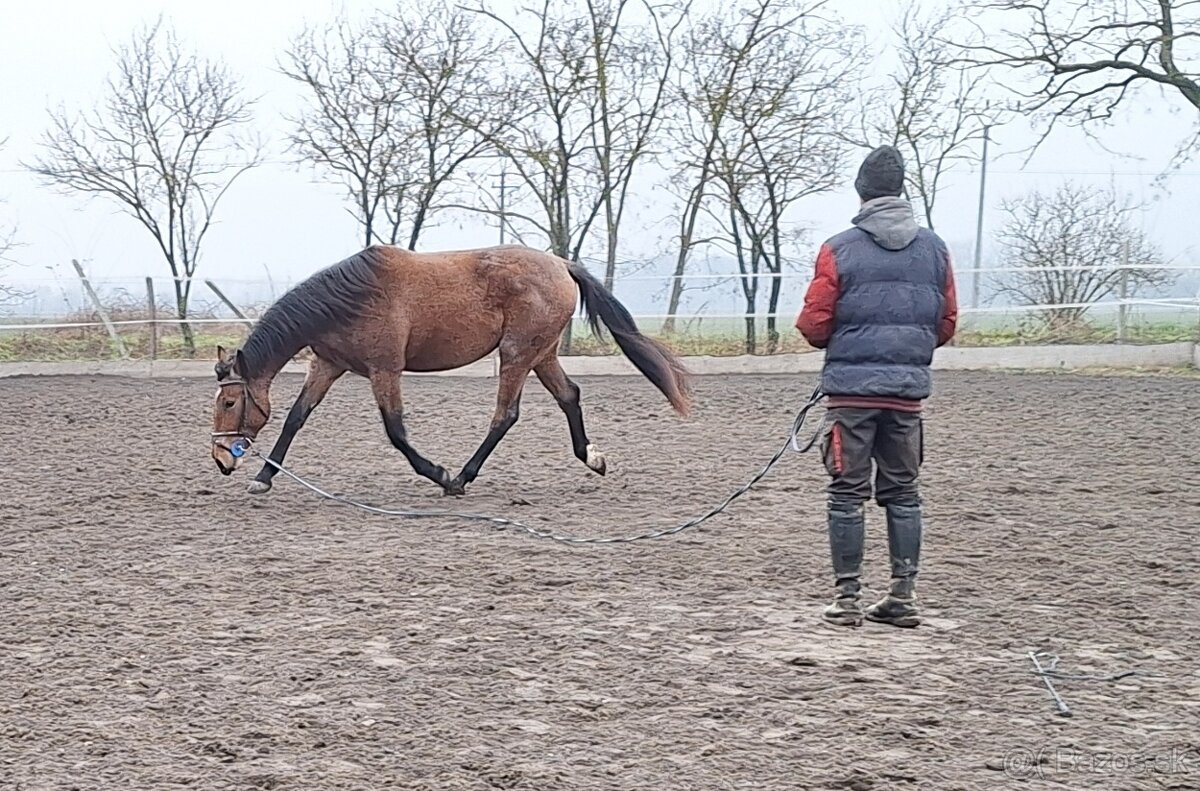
{"x":333,"y":297}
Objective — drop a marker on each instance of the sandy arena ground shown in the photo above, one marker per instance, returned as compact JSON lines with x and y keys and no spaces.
{"x":160,"y":629}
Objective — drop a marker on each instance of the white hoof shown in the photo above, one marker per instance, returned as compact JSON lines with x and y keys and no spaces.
{"x":258,"y":487}
{"x":595,"y":460}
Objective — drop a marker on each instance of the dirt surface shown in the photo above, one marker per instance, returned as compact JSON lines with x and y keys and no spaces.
{"x":159,"y":628}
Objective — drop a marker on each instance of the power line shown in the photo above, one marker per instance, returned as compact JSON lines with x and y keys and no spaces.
{"x":1086,"y":173}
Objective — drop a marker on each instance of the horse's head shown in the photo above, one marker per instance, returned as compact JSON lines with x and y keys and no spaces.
{"x":240,"y":410}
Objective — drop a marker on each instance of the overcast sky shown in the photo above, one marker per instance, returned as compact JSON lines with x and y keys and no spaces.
{"x":57,"y":51}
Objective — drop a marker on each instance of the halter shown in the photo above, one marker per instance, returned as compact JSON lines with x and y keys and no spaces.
{"x":245,"y":436}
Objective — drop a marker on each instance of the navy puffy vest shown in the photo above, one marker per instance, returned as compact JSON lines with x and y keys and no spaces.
{"x":887,"y":316}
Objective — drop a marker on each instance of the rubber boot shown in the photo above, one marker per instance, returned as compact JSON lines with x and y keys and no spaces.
{"x":846,"y":534}
{"x":899,"y":607}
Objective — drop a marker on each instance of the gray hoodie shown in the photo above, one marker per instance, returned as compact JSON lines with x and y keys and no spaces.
{"x":889,"y":220}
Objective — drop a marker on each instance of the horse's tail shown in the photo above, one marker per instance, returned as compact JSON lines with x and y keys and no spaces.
{"x":652,"y":358}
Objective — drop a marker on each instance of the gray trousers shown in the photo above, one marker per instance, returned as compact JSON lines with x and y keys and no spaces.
{"x":893,"y":440}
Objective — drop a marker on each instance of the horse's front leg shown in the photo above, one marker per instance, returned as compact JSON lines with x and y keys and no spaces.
{"x":321,"y":376}
{"x":386,"y":387}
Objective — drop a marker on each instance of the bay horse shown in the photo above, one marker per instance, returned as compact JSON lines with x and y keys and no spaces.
{"x":385,"y":310}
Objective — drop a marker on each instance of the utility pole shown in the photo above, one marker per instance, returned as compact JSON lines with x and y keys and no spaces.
{"x":504,"y":188}
{"x":979,"y":220}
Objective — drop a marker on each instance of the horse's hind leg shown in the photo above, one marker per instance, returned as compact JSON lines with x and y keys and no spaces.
{"x":321,"y":376}
{"x":386,"y":387}
{"x":508,"y":408}
{"x":566,"y":393}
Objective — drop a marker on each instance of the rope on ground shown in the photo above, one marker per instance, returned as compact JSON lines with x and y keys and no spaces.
{"x":503,"y":523}
{"x":1050,"y":670}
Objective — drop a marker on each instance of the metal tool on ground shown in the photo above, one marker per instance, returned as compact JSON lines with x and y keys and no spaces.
{"x":1050,"y":672}
{"x":1058,"y":701}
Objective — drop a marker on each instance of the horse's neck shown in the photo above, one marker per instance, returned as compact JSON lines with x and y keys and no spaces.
{"x":268,"y":360}
{"x":265,"y":373}
{"x":261,"y":379}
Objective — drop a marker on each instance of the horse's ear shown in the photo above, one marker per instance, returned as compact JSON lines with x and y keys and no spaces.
{"x":239,"y":364}
{"x":222,"y":367}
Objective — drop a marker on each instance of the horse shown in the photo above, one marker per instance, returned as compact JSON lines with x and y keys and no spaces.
{"x":384,"y":311}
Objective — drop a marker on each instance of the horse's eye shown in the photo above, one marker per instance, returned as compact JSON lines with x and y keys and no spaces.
{"x":230,"y":404}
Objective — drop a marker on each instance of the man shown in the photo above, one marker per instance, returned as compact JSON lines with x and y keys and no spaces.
{"x":881,"y":301}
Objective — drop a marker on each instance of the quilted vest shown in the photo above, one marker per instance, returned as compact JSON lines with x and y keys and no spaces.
{"x":887,"y":316}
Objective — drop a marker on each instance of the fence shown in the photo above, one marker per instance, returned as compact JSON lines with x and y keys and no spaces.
{"x":113,"y":317}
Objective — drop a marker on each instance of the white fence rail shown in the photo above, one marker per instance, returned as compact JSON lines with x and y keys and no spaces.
{"x":1114,"y":306}
{"x":708,"y":298}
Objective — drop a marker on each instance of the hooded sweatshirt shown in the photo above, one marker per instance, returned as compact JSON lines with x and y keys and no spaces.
{"x":889,"y":221}
{"x":881,"y":300}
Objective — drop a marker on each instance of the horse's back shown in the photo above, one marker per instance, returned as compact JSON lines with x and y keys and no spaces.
{"x":457,"y":306}
{"x":485,"y":277}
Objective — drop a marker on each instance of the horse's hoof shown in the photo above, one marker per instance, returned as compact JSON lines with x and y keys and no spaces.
{"x":258,"y":487}
{"x":595,"y":460}
{"x":454,"y":490}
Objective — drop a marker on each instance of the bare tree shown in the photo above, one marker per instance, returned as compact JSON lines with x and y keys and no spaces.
{"x":8,"y":242}
{"x":549,"y":142}
{"x":385,"y":99}
{"x":352,"y":128}
{"x":590,"y":85}
{"x":591,"y":88}
{"x":447,"y":67}
{"x":780,"y":144}
{"x":633,"y":66}
{"x":766,"y":98}
{"x":1072,"y":248}
{"x":935,"y":115}
{"x":1078,"y":61}
{"x":720,"y":48}
{"x":167,"y":144}
{"x":703,"y":88}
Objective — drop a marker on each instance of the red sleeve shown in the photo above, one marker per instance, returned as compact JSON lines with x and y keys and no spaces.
{"x":949,"y":322}
{"x":815,"y":321}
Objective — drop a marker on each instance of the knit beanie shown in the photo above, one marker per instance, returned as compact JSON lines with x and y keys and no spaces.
{"x":881,"y":173}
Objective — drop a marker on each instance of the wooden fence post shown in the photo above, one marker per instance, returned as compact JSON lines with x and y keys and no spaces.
{"x":108,"y":325}
{"x":213,"y":287}
{"x":153,"y":308}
